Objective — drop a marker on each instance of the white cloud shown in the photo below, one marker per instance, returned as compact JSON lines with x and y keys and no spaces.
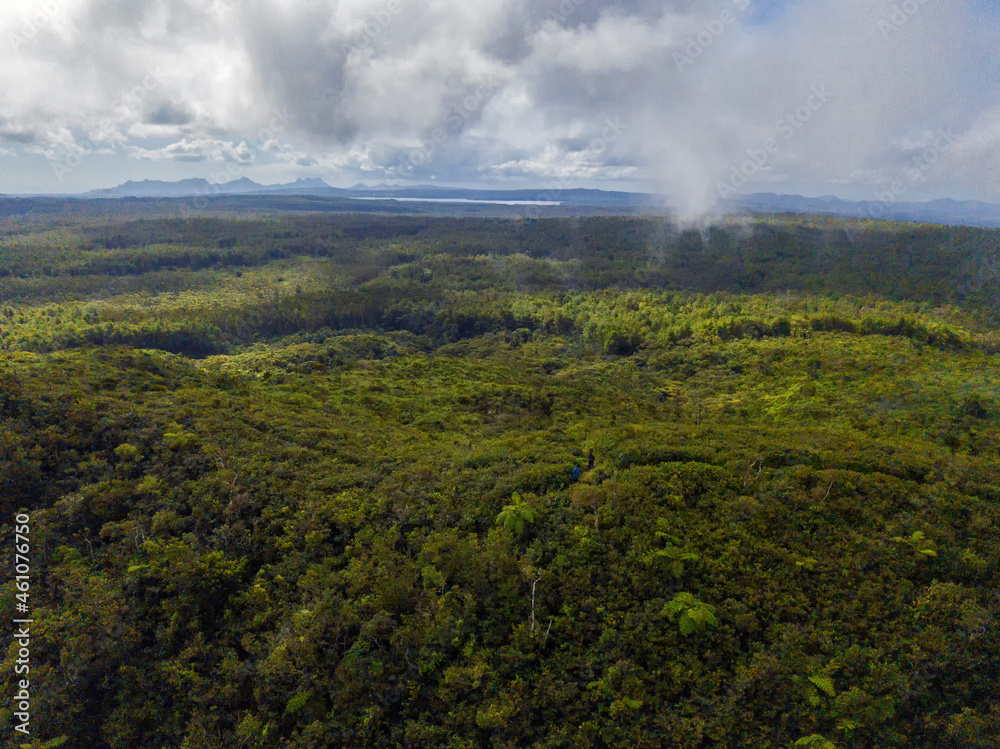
{"x":614,"y":43}
{"x":57,"y":144}
{"x":393,"y":89}
{"x":983,"y":137}
{"x":197,"y":150}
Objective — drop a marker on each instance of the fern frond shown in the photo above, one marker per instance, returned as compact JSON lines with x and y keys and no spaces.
{"x":824,"y":684}
{"x":297,"y":702}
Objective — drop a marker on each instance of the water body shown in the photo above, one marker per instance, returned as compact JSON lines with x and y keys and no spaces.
{"x":465,"y":200}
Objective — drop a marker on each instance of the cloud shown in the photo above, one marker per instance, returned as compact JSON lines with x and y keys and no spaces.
{"x":16,"y":136}
{"x":57,"y":144}
{"x":613,"y":44}
{"x":168,"y":113}
{"x":516,"y":92}
{"x":197,"y":150}
{"x":699,"y":123}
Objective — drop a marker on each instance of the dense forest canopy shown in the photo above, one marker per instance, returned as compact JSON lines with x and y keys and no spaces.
{"x":307,"y":480}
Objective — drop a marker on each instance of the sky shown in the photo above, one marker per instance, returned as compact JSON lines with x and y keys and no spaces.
{"x":697,"y":99}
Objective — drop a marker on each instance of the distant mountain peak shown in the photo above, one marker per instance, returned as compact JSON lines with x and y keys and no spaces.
{"x":941,"y":211}
{"x":242,"y":181}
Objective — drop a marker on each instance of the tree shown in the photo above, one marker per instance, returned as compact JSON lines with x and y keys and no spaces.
{"x":919,"y":543}
{"x":516,"y":515}
{"x":589,"y":497}
{"x":812,"y":687}
{"x":815,"y":742}
{"x":671,"y":557}
{"x":690,"y":614}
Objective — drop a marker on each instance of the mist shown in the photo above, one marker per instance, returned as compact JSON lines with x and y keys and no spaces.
{"x":697,"y":100}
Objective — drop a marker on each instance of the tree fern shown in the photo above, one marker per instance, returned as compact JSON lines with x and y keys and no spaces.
{"x":516,"y":515}
{"x":672,"y":558}
{"x":811,"y":687}
{"x":297,"y":702}
{"x":824,"y":684}
{"x":816,"y":742}
{"x":919,"y":543}
{"x":691,"y":614}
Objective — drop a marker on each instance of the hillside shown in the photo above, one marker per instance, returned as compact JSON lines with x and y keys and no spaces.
{"x":307,"y":480}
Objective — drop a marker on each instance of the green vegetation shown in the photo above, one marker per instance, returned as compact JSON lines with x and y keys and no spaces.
{"x":307,"y":481}
{"x":691,"y":615}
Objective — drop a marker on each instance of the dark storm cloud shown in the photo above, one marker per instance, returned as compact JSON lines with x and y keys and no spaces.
{"x":14,"y":136}
{"x":168,"y":113}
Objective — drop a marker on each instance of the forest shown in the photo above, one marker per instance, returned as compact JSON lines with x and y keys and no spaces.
{"x":315,"y":479}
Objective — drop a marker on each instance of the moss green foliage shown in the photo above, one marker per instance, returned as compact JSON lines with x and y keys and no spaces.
{"x":814,"y":687}
{"x":670,"y":557}
{"x":815,"y":741}
{"x":306,"y":481}
{"x":690,"y":614}
{"x":516,"y":515}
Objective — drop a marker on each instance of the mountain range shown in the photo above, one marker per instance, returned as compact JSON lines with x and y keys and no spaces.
{"x":956,"y":212}
{"x":319,"y":188}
